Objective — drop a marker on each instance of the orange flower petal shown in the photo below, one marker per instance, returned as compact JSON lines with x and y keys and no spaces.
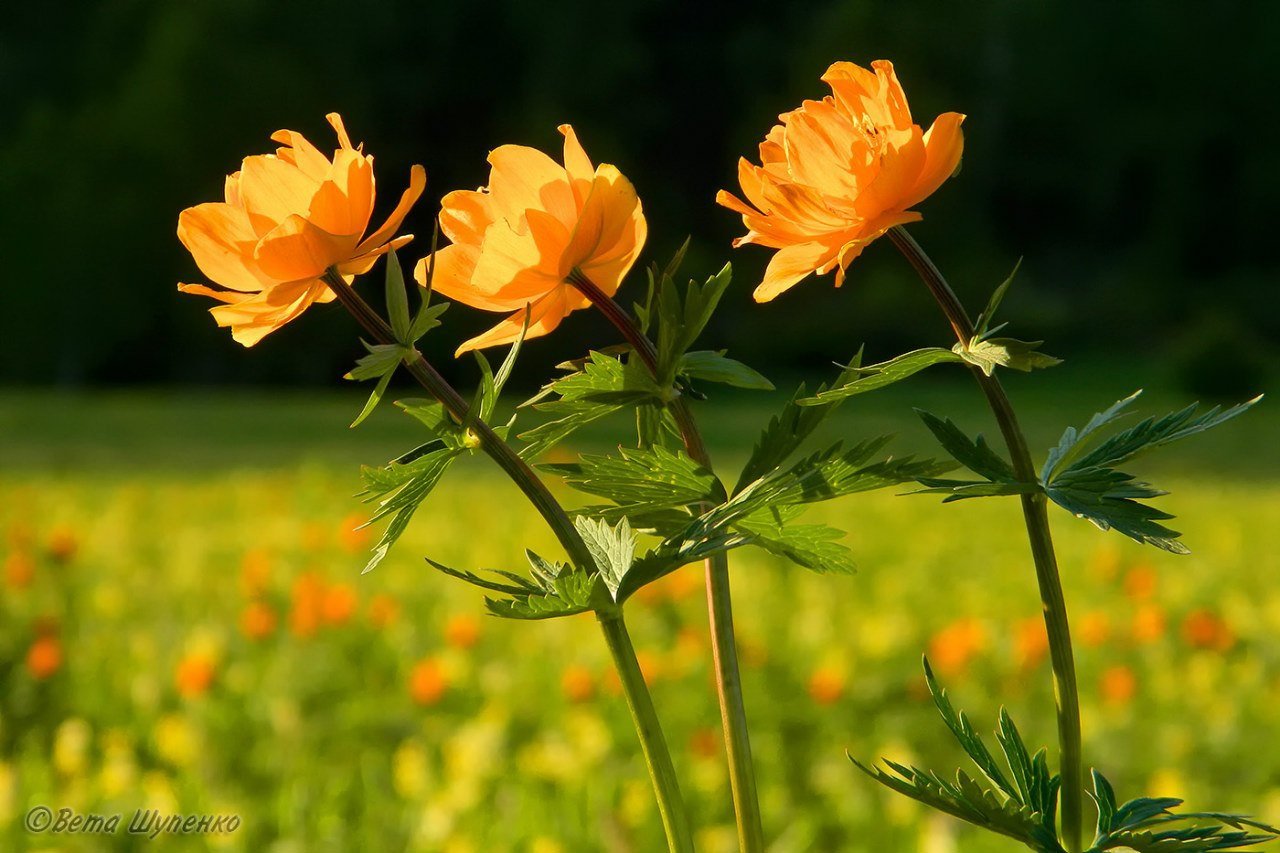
{"x":544,"y":315}
{"x":417,"y":185}
{"x":524,"y":178}
{"x":577,"y":165}
{"x":343,"y":202}
{"x":296,"y":249}
{"x":302,"y":154}
{"x":335,"y":121}
{"x":789,"y":266}
{"x":220,"y":240}
{"x":944,"y":145}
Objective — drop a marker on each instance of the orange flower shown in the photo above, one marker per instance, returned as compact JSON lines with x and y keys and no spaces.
{"x":1032,"y":641}
{"x":1119,"y":685}
{"x":194,"y":675}
{"x":838,"y":173}
{"x":1095,"y":628}
{"x":705,"y":743}
{"x":288,"y":217}
{"x":1148,"y":624}
{"x":826,"y":686}
{"x":383,"y":610}
{"x":462,"y":631}
{"x":951,"y":649}
{"x":353,"y":534}
{"x":577,"y":684}
{"x":338,"y":604}
{"x":1205,"y":629}
{"x":19,"y":569}
{"x":255,"y":571}
{"x":258,"y":620}
{"x":1140,"y":582}
{"x":44,"y":658}
{"x":516,"y":241}
{"x":63,"y":545}
{"x":427,"y":682}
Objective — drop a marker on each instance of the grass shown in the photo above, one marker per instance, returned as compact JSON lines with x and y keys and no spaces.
{"x":385,"y":712}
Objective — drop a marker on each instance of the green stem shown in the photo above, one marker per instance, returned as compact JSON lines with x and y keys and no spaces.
{"x":670,"y":803}
{"x":656,"y":754}
{"x":724,"y":649}
{"x":1035,"y":514}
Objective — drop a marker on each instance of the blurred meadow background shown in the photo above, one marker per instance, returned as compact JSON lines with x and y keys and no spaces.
{"x":183,"y":625}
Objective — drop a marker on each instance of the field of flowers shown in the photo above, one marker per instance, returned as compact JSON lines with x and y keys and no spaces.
{"x":183,"y":627}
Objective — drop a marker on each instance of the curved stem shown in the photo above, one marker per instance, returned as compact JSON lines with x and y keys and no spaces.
{"x":666,"y":787}
{"x":724,"y":649}
{"x":656,"y":754}
{"x":1034,"y":511}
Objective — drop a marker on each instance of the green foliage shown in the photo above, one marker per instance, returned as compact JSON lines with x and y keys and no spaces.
{"x":875,"y":376}
{"x":613,"y":548}
{"x":400,"y":488}
{"x":643,"y":480}
{"x":987,"y":353}
{"x":681,"y":318}
{"x":1024,"y":809}
{"x":814,"y":546}
{"x":1079,"y":476}
{"x":1144,"y":825}
{"x":556,"y":590}
{"x":380,"y":364}
{"x":976,"y":455}
{"x":712,"y":366}
{"x":594,"y":388}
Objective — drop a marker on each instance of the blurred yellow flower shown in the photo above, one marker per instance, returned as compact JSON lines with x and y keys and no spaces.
{"x":516,"y":241}
{"x":410,"y":770}
{"x":71,"y":743}
{"x":176,"y":740}
{"x":838,"y":173}
{"x":286,"y":219}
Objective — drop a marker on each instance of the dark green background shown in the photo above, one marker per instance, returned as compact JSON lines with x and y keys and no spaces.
{"x":1128,"y":150}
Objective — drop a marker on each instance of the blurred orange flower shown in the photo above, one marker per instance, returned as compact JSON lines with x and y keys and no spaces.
{"x":44,"y":658}
{"x":838,"y":173}
{"x":1148,"y":624}
{"x":194,"y":675}
{"x":516,"y":241}
{"x":354,"y":536}
{"x":427,"y":682}
{"x":951,"y":649}
{"x":288,"y":217}
{"x":1119,"y":685}
{"x":383,"y":610}
{"x":1140,"y":582}
{"x":1095,"y":628}
{"x":577,"y":684}
{"x":255,"y":571}
{"x":63,"y":545}
{"x":338,"y":604}
{"x":705,"y":743}
{"x":1032,"y":641}
{"x":462,"y":631}
{"x":308,"y":596}
{"x":826,"y":685}
{"x":258,"y":620}
{"x":19,"y":569}
{"x":1205,"y":629}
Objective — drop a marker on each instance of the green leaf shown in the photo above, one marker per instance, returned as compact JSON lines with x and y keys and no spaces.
{"x":433,"y":415}
{"x":397,"y":300}
{"x":380,"y":363}
{"x":864,"y":379}
{"x":983,"y":325}
{"x":813,"y":546}
{"x":1005,"y":352}
{"x":613,"y":548}
{"x":682,"y":319}
{"x":515,"y":585}
{"x":374,"y":398}
{"x":976,"y":454}
{"x":788,"y":429}
{"x":714,"y":367}
{"x":403,"y":489}
{"x":1147,"y":825}
{"x":1073,"y":443}
{"x":651,"y":479}
{"x":562,"y":591}
{"x":836,"y":472}
{"x":1108,"y":498}
{"x":675,"y":551}
{"x":427,"y":318}
{"x":957,"y":490}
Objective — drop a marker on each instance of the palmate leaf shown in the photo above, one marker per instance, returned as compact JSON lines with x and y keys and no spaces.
{"x":715,"y":367}
{"x":613,"y":548}
{"x":1146,"y":825}
{"x":643,"y":480}
{"x":789,"y":429}
{"x":402,"y":487}
{"x":814,"y":546}
{"x":1024,"y":808}
{"x":594,"y":389}
{"x":683,"y":317}
{"x":1079,"y":476}
{"x":974,"y":454}
{"x":990,"y":353}
{"x":555,"y":590}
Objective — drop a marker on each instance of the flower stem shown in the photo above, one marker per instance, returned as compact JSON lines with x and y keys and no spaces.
{"x":670,"y":802}
{"x":724,"y":650}
{"x":1034,"y":511}
{"x":656,"y":754}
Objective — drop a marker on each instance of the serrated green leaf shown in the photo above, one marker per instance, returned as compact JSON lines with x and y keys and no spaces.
{"x":991,"y":353}
{"x":975,"y":454}
{"x":612,"y":547}
{"x":404,"y":498}
{"x":1109,"y":499}
{"x":515,"y":585}
{"x":1073,"y":443}
{"x":397,"y":299}
{"x":433,"y":415}
{"x":651,"y":479}
{"x":374,"y":398}
{"x":958,"y":490}
{"x":816,"y":547}
{"x":982,"y":327}
{"x":788,"y":430}
{"x":567,"y":593}
{"x":683,"y":318}
{"x":875,"y":376}
{"x":715,"y":367}
{"x":381,"y":359}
